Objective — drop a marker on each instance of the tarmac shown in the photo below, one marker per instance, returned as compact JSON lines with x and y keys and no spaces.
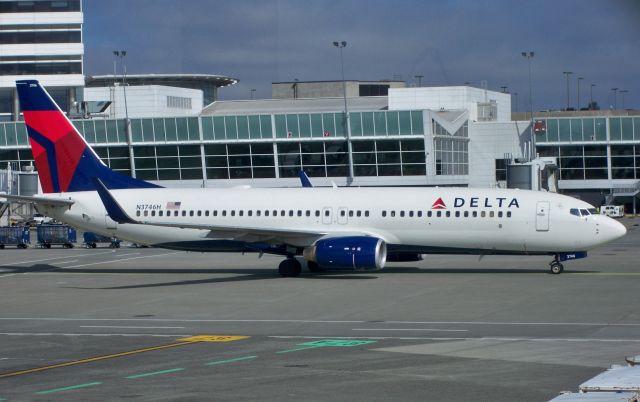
{"x":159,"y":325}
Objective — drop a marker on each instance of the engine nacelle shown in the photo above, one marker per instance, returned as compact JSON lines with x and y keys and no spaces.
{"x":348,"y":253}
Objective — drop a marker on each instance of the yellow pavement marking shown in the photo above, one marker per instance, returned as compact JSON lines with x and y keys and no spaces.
{"x":181,"y":342}
{"x":213,"y":338}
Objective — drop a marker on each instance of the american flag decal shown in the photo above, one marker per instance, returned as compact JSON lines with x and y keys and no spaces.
{"x":173,"y":205}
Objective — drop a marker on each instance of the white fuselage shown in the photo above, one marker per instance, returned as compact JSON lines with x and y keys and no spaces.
{"x":407,"y":219}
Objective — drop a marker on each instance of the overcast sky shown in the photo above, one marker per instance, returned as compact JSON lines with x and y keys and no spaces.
{"x":448,"y":42}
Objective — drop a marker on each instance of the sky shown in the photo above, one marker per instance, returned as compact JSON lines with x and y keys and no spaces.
{"x":449,"y":42}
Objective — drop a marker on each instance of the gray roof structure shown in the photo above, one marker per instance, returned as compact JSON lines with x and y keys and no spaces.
{"x":311,"y":105}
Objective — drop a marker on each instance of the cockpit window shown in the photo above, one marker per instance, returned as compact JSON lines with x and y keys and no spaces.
{"x":584,"y":212}
{"x":574,"y":211}
{"x":593,"y":211}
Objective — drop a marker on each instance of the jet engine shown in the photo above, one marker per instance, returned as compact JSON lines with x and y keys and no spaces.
{"x":359,"y":253}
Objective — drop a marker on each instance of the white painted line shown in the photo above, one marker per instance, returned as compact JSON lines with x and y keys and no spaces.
{"x":582,"y":340}
{"x":122,"y":259}
{"x":122,"y":326}
{"x":60,"y":258}
{"x":410,"y":329}
{"x":66,"y":262}
{"x":587,"y":324}
{"x":80,"y":334}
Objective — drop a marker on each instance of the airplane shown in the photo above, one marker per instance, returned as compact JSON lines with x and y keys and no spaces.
{"x":336,"y":228}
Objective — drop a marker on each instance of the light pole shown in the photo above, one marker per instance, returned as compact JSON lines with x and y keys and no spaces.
{"x":615,"y":98}
{"x":419,"y":78}
{"x":345,"y":121}
{"x":591,"y":96}
{"x":567,"y":74}
{"x":623,"y":91}
{"x":532,"y":151}
{"x":579,"y":79}
{"x":252,"y":91}
{"x":127,"y":123}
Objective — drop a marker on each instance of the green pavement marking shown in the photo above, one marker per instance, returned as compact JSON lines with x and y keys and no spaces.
{"x":230,"y":360}
{"x":50,"y":391}
{"x":131,"y":377}
{"x":328,"y":342}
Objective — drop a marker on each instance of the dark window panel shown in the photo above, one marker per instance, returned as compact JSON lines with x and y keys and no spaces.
{"x":389,"y":170}
{"x":169,"y":174}
{"x":595,"y":174}
{"x":240,"y":173}
{"x":364,"y":170}
{"x":215,"y":149}
{"x":413,"y":170}
{"x":264,"y":172}
{"x":216,"y":161}
{"x":337,"y":171}
{"x":217,"y":173}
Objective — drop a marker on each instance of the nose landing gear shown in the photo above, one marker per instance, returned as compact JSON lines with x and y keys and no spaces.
{"x":555,"y":266}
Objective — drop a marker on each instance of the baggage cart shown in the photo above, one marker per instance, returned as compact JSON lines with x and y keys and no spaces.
{"x":91,"y":240}
{"x":49,"y":235}
{"x":18,"y":236}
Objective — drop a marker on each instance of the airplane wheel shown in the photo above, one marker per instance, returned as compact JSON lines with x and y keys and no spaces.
{"x":289,"y":268}
{"x":314,"y":267}
{"x":556,"y":268}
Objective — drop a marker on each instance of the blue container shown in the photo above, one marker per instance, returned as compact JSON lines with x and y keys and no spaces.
{"x":19,"y":236}
{"x":49,"y":235}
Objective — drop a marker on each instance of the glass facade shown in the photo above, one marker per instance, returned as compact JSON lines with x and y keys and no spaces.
{"x":248,"y":147}
{"x":579,"y":162}
{"x":451,"y":149}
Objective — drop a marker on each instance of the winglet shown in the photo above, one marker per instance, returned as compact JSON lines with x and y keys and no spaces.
{"x":304,"y":179}
{"x":114,"y":209}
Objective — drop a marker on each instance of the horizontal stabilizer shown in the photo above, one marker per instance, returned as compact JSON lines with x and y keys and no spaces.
{"x":54,"y":202}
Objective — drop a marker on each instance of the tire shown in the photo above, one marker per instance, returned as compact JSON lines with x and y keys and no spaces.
{"x":289,"y":268}
{"x":556,"y":268}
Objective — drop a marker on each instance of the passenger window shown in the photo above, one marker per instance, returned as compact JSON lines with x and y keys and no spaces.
{"x":359,"y":213}
{"x":258,"y":212}
{"x":160,"y":213}
{"x":206,"y":213}
{"x":474,"y":214}
{"x":299,"y":212}
{"x":275,"y":213}
{"x":291,"y":212}
{"x":233,"y":212}
{"x":317,"y":213}
{"x":175,"y":213}
{"x":402,"y":214}
{"x":429,"y":214}
{"x":410,"y":214}
{"x":483,"y":214}
{"x":266,"y":212}
{"x":508,"y":214}
{"x":308,"y":213}
{"x":366,"y":214}
{"x":343,"y":212}
{"x":146,"y":213}
{"x":393,"y":214}
{"x":457,"y":214}
{"x":439,"y":214}
{"x":138,"y":213}
{"x":191,"y":213}
{"x":384,"y":214}
{"x":326,"y":213}
{"x":199,"y":213}
{"x":215,"y":212}
{"x":491,"y":214}
{"x":153,"y":213}
{"x":283,"y":212}
{"x":499,"y":214}
{"x":466,"y":214}
{"x":448,"y":214}
{"x":184,"y":213}
{"x":224,"y":212}
{"x":350,"y":213}
{"x":250,"y":212}
{"x":419,"y":214}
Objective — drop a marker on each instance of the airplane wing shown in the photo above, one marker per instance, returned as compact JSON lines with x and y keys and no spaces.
{"x":249,"y":234}
{"x":44,"y":201}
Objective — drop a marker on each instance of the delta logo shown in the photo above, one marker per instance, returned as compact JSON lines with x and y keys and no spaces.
{"x":478,"y":202}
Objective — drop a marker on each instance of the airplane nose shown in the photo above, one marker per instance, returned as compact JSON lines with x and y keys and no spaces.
{"x":615,"y":229}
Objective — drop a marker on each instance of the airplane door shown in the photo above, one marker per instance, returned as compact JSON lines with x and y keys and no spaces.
{"x":542,"y":216}
{"x":342,"y":215}
{"x":326,"y":215}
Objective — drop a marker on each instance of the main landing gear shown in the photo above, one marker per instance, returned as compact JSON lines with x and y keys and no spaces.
{"x":555,"y":267}
{"x":290,"y":268}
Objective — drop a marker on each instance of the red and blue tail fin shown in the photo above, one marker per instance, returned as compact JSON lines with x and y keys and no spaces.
{"x":64,"y":160}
